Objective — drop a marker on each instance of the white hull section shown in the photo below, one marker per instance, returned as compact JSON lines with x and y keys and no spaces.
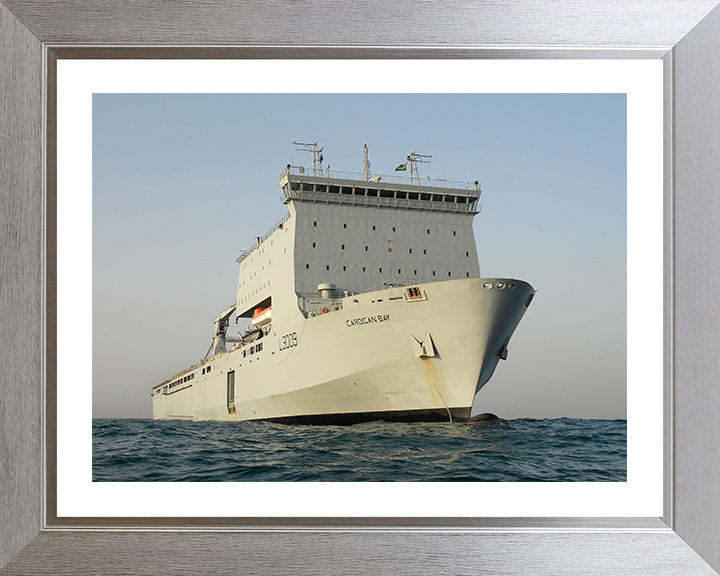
{"x":381,"y":356}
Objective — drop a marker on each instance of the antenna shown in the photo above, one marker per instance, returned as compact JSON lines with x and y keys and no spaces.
{"x":366,"y":164}
{"x":316,"y":152}
{"x":414,"y":159}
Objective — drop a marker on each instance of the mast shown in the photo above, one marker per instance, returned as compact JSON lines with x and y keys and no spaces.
{"x":414,"y":159}
{"x":366,"y":163}
{"x":316,"y":152}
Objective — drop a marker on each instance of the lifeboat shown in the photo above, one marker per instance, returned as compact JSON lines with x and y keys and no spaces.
{"x":262,"y":316}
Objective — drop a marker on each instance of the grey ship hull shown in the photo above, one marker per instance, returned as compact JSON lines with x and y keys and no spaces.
{"x":383,"y":355}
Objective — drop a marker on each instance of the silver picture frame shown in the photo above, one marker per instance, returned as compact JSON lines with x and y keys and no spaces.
{"x":685,"y":34}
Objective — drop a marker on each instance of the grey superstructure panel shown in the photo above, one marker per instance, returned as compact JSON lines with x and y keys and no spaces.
{"x":358,"y":247}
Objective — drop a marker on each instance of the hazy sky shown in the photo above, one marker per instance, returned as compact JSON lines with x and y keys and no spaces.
{"x":183,"y":183}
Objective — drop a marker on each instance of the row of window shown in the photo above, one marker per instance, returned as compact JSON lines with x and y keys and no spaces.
{"x":179,"y":381}
{"x":373,"y":192}
{"x":256,"y":291}
{"x":380,"y":270}
{"x":256,"y":348}
{"x":410,"y":250}
{"x":374,"y":227}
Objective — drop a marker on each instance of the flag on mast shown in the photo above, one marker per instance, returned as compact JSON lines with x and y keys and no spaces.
{"x":401,"y":167}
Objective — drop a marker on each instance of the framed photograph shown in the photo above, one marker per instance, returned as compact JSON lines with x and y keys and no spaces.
{"x":661,"y":519}
{"x":577,"y":116}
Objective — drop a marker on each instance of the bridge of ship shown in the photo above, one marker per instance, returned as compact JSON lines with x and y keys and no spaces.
{"x":391,"y":192}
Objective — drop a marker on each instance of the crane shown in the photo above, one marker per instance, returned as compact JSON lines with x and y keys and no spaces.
{"x":222,"y":321}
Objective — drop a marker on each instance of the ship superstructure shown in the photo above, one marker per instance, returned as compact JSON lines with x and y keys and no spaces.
{"x":365,"y":302}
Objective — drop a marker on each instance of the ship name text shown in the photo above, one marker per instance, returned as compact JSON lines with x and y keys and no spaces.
{"x":367,"y":320}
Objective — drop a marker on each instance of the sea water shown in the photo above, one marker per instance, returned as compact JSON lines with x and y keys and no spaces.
{"x":523,"y":450}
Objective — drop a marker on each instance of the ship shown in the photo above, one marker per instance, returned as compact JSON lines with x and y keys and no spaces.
{"x":364,"y":302}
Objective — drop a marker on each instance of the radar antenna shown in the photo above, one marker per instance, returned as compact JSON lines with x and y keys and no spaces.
{"x":414,"y":159}
{"x":366,"y":164}
{"x":316,"y":152}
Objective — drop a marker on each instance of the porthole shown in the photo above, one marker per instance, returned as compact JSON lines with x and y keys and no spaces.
{"x":511,"y":286}
{"x":501,"y":285}
{"x":487,"y":285}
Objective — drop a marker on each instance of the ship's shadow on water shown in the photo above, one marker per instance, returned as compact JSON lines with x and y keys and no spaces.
{"x":559,"y":450}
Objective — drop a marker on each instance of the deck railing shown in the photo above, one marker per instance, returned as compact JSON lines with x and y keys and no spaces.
{"x":471,"y":207}
{"x":394,"y":178}
{"x":261,"y":239}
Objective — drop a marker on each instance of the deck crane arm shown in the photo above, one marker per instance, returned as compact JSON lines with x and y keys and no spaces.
{"x":222,"y":321}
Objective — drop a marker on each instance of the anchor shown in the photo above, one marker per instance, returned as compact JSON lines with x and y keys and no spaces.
{"x":424,"y":348}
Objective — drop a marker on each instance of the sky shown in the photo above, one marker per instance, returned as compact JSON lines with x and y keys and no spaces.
{"x":182,"y":183}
